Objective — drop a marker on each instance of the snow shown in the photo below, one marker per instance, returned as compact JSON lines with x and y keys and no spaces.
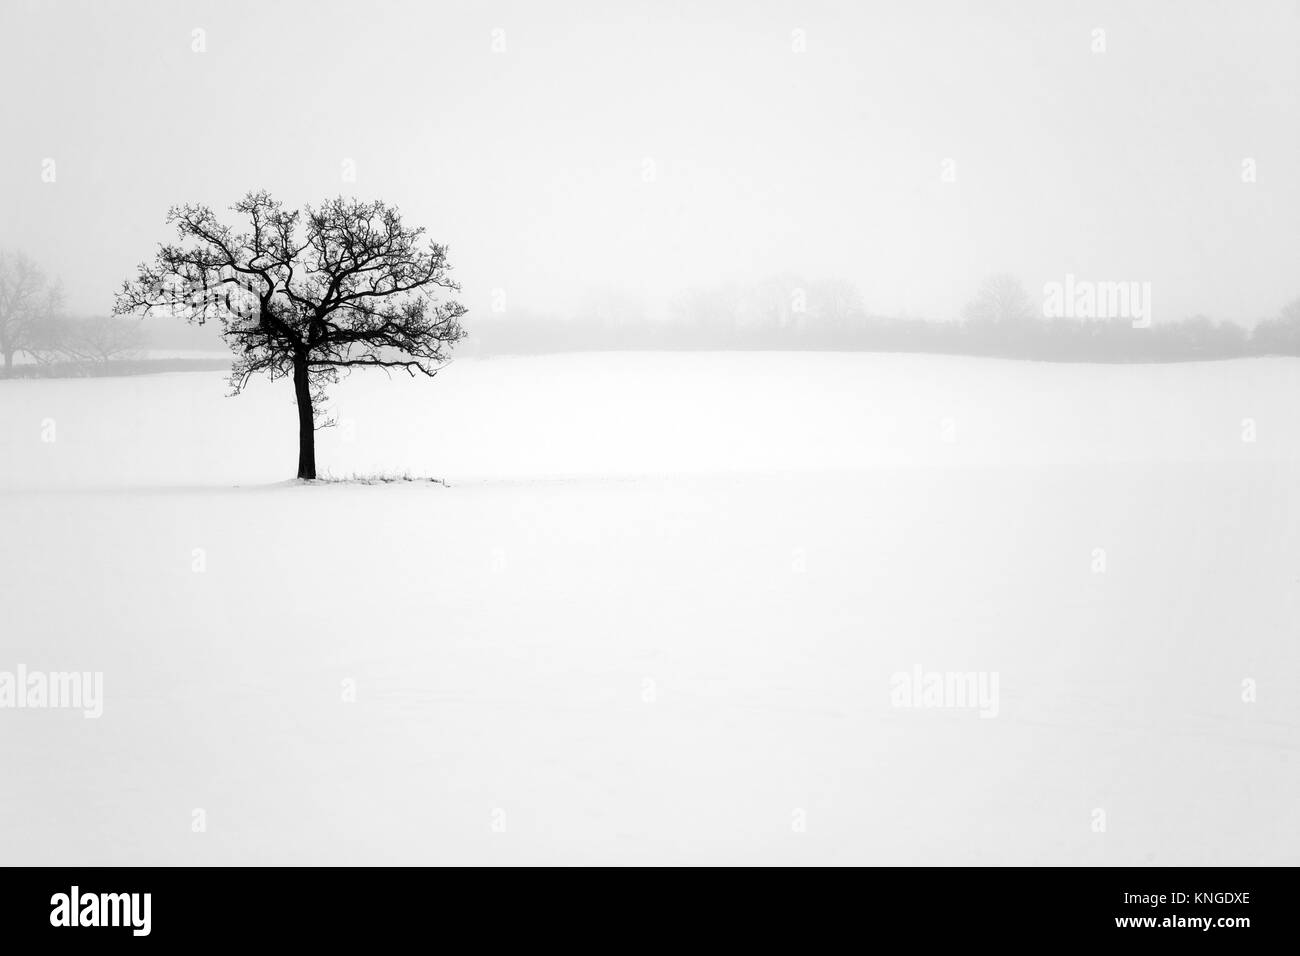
{"x":654,"y":615}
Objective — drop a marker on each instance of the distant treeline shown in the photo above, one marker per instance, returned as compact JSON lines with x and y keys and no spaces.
{"x":1002,"y":321}
{"x":784,"y":313}
{"x":114,"y":367}
{"x":1064,"y":340}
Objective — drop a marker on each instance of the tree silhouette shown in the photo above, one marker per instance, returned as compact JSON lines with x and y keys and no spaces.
{"x":1281,"y":335}
{"x":28,"y":303}
{"x":1001,"y":300}
{"x":343,"y":286}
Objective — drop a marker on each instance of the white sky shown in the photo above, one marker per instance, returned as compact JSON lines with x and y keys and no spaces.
{"x":529,"y":163}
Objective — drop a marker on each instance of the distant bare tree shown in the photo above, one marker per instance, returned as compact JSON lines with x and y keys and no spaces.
{"x":100,"y":338}
{"x":706,"y":308}
{"x":1291,"y":312}
{"x":774,"y":303}
{"x":1279,"y":336}
{"x":344,"y":286}
{"x":836,"y":302}
{"x":1001,"y":300}
{"x":28,"y":302}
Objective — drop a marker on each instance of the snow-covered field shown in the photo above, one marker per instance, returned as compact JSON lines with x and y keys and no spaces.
{"x":657,"y":614}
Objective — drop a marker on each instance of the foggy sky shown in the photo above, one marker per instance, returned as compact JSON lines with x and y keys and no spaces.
{"x":532,"y":163}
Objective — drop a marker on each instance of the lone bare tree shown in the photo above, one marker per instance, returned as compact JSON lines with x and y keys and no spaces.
{"x":346,"y":285}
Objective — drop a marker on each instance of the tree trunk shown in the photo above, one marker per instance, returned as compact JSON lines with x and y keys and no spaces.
{"x":306,"y":422}
{"x":9,"y":361}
